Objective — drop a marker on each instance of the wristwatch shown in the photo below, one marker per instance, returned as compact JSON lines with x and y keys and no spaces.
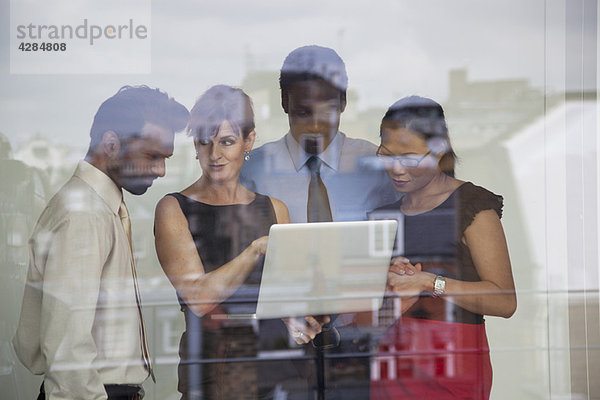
{"x":439,"y":286}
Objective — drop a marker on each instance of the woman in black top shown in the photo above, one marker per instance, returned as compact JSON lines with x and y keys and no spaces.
{"x":210,"y":239}
{"x":455,"y":268}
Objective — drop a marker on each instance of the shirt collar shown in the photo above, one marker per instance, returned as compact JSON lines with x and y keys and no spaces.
{"x":101,"y":184}
{"x":331,"y":155}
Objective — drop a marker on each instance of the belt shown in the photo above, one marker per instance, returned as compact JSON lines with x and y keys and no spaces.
{"x":114,"y":392}
{"x":124,"y":392}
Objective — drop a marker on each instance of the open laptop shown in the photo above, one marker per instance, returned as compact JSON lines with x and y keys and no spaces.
{"x":325,"y":268}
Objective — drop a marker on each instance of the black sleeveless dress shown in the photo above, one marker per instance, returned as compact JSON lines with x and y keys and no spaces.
{"x":211,"y":344}
{"x":440,"y":350}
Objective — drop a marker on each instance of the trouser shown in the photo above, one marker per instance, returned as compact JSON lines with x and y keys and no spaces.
{"x":115,"y":392}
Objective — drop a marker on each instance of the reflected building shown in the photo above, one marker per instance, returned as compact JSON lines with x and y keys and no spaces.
{"x":482,"y":115}
{"x":482,"y":111}
{"x":553,"y":160}
{"x":24,"y":190}
{"x":56,"y":160}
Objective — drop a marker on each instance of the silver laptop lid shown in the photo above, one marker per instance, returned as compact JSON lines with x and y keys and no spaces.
{"x":325,"y":268}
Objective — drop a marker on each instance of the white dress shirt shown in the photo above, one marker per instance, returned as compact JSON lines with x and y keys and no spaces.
{"x":354,"y":183}
{"x":79,"y":323}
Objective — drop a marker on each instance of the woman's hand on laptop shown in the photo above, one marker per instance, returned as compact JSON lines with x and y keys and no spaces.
{"x":260,"y":245}
{"x":303,"y":330}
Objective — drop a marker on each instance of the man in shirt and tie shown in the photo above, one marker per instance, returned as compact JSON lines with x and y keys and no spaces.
{"x":316,"y":170}
{"x":313,"y":84}
{"x":81,"y":323}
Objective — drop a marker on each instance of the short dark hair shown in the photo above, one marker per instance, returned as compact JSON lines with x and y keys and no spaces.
{"x":131,"y":108}
{"x":425,"y":117}
{"x":218,"y":104}
{"x":310,"y":63}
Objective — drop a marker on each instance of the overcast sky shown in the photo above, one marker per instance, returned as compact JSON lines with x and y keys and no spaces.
{"x":391,"y":48}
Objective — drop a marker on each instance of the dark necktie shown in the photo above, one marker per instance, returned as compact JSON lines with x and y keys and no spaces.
{"x":318,"y":210}
{"x":317,"y":207}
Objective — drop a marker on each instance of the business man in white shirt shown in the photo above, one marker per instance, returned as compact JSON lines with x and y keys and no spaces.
{"x":81,"y":323}
{"x":316,"y":170}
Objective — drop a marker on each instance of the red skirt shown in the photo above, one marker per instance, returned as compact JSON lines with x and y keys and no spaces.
{"x":424,"y":359}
